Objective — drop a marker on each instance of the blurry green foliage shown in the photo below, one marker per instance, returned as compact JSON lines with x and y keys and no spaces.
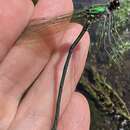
{"x":123,"y":14}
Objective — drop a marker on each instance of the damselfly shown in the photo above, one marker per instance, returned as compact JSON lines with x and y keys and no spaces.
{"x":90,"y":15}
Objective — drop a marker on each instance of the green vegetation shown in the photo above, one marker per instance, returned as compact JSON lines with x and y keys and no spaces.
{"x":106,"y":78}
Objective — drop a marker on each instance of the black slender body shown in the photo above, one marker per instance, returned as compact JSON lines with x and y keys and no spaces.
{"x":112,"y":6}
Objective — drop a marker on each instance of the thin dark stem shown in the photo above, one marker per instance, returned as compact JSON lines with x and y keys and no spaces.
{"x":58,"y":102}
